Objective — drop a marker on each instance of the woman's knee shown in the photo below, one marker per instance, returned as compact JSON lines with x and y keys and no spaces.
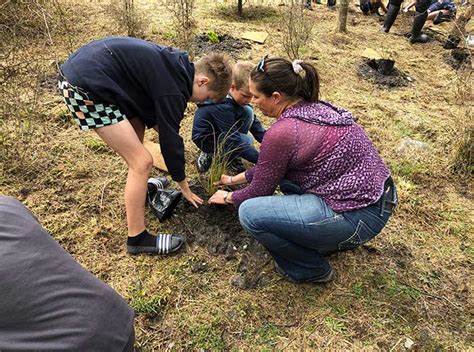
{"x":248,"y":214}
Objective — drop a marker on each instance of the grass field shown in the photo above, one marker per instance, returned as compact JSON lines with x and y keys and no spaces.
{"x":413,"y":283}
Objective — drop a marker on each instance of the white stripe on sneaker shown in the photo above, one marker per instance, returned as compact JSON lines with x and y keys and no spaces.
{"x":168,"y":243}
{"x":162,"y":241}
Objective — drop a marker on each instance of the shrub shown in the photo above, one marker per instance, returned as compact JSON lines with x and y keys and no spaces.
{"x":128,"y":17}
{"x":297,"y":27}
{"x":184,"y":24}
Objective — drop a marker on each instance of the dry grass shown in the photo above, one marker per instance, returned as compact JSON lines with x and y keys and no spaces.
{"x":413,"y":281}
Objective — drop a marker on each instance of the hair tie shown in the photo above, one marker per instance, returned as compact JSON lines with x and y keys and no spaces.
{"x":297,"y":68}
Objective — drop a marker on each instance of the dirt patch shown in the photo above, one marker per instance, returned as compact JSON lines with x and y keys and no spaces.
{"x":458,"y":58}
{"x":217,"y":228}
{"x":227,"y":44}
{"x":49,"y":81}
{"x":368,"y":69}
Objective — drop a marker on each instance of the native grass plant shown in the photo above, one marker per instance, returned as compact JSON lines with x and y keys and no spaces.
{"x":462,"y":87}
{"x":219,"y":165}
{"x":297,"y":27}
{"x":221,"y":158}
{"x":463,"y":162}
{"x":184,"y":24}
{"x":463,"y":159}
{"x":128,"y":17}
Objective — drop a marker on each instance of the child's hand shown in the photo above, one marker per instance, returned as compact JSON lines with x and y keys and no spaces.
{"x":192,"y":198}
{"x":405,"y":9}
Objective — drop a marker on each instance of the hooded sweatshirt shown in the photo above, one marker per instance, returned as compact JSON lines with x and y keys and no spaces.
{"x":145,"y":80}
{"x":319,"y":147}
{"x":225,"y":118}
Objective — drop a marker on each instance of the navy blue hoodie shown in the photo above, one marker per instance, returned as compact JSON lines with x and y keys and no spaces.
{"x":145,"y":80}
{"x":223,"y":118}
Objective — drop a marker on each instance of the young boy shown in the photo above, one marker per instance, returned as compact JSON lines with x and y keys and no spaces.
{"x":118,"y":86}
{"x":229,"y":121}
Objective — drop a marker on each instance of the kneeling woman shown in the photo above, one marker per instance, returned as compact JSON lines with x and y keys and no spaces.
{"x":347,"y":194}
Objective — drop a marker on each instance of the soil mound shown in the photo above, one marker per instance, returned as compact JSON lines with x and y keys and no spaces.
{"x":217,"y":228}
{"x":459,"y":58}
{"x":369,"y":69}
{"x":227,"y":44}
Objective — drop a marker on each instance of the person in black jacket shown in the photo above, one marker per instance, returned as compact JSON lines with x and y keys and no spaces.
{"x":117,"y":86}
{"x":229,"y":122}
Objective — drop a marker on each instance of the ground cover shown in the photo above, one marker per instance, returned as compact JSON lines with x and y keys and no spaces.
{"x":412,"y":283}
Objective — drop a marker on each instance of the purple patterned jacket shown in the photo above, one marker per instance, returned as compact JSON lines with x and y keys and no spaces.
{"x":319,"y":147}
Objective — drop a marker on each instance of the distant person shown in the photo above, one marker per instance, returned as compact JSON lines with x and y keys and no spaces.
{"x":229,"y":122}
{"x":308,"y":4}
{"x":331,"y":4}
{"x":371,"y":7}
{"x":418,"y":21}
{"x":439,"y":10}
{"x":346,"y":194}
{"x":117,"y":87}
{"x":49,"y":302}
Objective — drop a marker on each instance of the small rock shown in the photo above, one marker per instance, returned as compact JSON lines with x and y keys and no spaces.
{"x":239,"y":282}
{"x":408,"y":143}
{"x":409,"y":343}
{"x":199,"y":267}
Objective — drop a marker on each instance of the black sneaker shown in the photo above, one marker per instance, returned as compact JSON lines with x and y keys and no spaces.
{"x":155,"y":183}
{"x":204,"y":162}
{"x":165,"y":244}
{"x":236,"y":166}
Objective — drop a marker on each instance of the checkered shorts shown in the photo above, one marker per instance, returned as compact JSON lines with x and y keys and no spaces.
{"x":86,"y":113}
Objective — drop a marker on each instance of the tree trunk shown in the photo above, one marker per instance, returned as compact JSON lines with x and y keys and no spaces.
{"x":344,"y":6}
{"x":239,"y":8}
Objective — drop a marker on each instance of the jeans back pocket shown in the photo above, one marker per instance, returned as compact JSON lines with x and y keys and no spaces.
{"x":362,"y":234}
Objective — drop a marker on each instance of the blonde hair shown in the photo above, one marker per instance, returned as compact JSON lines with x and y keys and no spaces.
{"x":218,"y":68}
{"x":241,"y":74}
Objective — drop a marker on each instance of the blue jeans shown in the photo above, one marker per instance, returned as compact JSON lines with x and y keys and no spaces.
{"x":297,"y":230}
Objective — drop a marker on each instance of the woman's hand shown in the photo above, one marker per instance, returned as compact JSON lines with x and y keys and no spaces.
{"x":221,"y":197}
{"x":192,"y":198}
{"x":225,"y":180}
